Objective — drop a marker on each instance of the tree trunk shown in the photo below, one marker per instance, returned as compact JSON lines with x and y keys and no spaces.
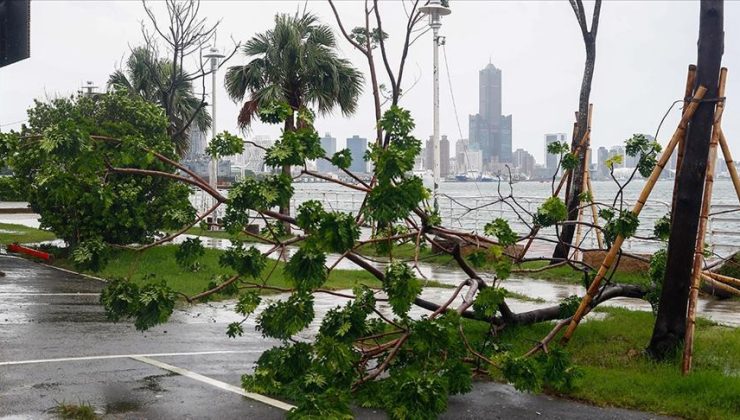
{"x":289,"y":126}
{"x":576,"y":180}
{"x":670,"y":325}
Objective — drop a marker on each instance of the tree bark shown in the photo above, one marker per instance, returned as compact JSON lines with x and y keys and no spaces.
{"x":576,"y":179}
{"x":670,"y":325}
{"x":289,"y":126}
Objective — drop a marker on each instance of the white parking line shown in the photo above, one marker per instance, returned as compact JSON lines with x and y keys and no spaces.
{"x":124,"y":356}
{"x":74,"y":272}
{"x":213,"y":382}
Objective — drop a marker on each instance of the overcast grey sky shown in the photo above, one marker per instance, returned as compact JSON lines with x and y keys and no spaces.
{"x":643,"y":49}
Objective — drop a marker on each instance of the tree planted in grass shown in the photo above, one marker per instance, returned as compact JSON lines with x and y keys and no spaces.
{"x":293,"y":66}
{"x":60,"y":160}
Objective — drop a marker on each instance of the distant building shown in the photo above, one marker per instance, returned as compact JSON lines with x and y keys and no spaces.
{"x":197,"y":144}
{"x":444,"y":155}
{"x":602,"y":154}
{"x":329,"y":144}
{"x":489,"y":131}
{"x":552,"y":160}
{"x":461,"y":158}
{"x":615,"y":151}
{"x":357,"y":147}
{"x":523,"y":162}
{"x":201,"y":165}
{"x":253,"y":157}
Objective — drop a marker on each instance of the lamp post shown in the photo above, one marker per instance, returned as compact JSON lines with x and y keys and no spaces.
{"x":435,"y":10}
{"x":214,"y":56}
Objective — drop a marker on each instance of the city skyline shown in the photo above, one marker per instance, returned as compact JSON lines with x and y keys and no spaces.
{"x":550,"y":68}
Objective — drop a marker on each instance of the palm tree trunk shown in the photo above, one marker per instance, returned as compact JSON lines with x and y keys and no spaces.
{"x":285,"y":210}
{"x":670,"y":325}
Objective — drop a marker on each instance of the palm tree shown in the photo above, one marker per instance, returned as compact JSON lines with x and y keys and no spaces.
{"x":294,"y":63}
{"x":150,"y":78}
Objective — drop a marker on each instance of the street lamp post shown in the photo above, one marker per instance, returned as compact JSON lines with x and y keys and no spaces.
{"x":435,"y":10}
{"x":214,"y":56}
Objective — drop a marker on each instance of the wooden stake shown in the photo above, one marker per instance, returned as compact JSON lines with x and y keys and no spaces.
{"x":584,"y":186}
{"x":722,"y":279}
{"x":647,"y":189}
{"x":730,"y":164}
{"x":594,"y":211}
{"x":706,"y":203}
{"x":719,"y":285}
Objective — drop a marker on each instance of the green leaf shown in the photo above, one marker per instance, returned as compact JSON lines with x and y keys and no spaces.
{"x":568,"y":306}
{"x":401,"y":286}
{"x":310,"y":214}
{"x":245,"y":261}
{"x":284,"y":319}
{"x":225,"y":144}
{"x":235,"y":329}
{"x":552,"y":211}
{"x":487,"y":301}
{"x":188,"y":253}
{"x":342,"y":159}
{"x":294,"y":148}
{"x":502,"y":231}
{"x":570,"y":161}
{"x":522,"y":372}
{"x":625,"y":225}
{"x":247,"y":303}
{"x":662,"y":227}
{"x":307,"y":269}
{"x":274,"y":112}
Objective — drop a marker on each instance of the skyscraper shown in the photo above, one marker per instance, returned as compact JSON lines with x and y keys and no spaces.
{"x":444,"y":155}
{"x":551,"y":160}
{"x":197,"y":143}
{"x":329,"y":144}
{"x":602,"y":154}
{"x":489,"y":131}
{"x":357,"y":147}
{"x":523,"y":161}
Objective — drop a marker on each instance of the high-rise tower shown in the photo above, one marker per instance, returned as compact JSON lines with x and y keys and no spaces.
{"x":489,"y":131}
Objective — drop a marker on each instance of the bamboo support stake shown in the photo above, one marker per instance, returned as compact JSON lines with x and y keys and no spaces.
{"x":688,"y":348}
{"x":584,"y":186}
{"x":594,"y":211}
{"x":647,"y":189}
{"x":731,"y":281}
{"x":730,"y":164}
{"x":720,"y":286}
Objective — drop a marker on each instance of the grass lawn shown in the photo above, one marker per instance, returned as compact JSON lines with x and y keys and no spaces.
{"x":10,"y":233}
{"x":160,"y":261}
{"x":616,"y":373}
{"x":562,"y":274}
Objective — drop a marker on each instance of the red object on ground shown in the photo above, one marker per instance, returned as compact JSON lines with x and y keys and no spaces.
{"x":29,"y":251}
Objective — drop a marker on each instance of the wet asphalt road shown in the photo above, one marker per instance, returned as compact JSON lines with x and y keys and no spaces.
{"x":47,"y":315}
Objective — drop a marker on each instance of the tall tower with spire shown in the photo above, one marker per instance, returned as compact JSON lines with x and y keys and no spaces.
{"x":489,"y":130}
